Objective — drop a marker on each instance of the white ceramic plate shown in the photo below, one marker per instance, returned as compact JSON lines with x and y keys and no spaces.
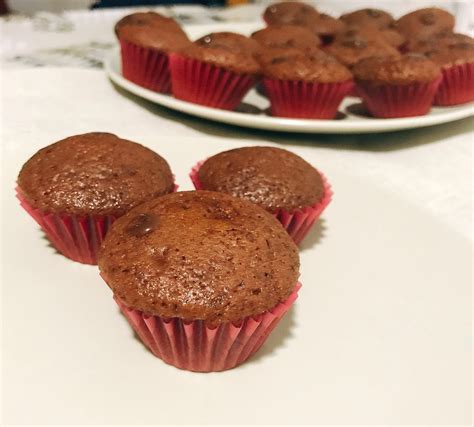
{"x":352,"y":118}
{"x":379,"y":335}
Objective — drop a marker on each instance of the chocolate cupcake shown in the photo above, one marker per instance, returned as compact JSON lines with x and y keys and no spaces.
{"x":146,"y":39}
{"x":231,"y":41}
{"x":425,"y":22}
{"x":277,"y":180}
{"x":312,"y":86}
{"x":214,"y":76}
{"x":350,"y":51}
{"x":287,"y":37}
{"x":365,"y":18}
{"x":202,"y":277}
{"x":457,"y":63}
{"x":397,"y":87}
{"x":78,"y":186}
{"x":290,"y":13}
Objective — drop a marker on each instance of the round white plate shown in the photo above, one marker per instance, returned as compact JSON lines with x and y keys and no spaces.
{"x":352,"y":117}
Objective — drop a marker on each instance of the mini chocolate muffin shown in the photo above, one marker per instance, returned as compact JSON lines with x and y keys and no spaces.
{"x":151,"y":30}
{"x":425,"y":22}
{"x":83,"y":183}
{"x":438,"y":41}
{"x":146,"y":39}
{"x":326,"y":27}
{"x":397,"y":87}
{"x":319,"y":68}
{"x":364,"y":18}
{"x":191,"y":270}
{"x":94,"y":174}
{"x":407,"y":69}
{"x":457,"y":62}
{"x":287,"y":36}
{"x":290,"y":13}
{"x":457,"y":53}
{"x":273,"y":178}
{"x":350,"y":51}
{"x":369,"y":33}
{"x":306,"y":87}
{"x":214,"y":76}
{"x":230,"y":40}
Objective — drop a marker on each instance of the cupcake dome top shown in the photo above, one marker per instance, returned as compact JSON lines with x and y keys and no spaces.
{"x":367,"y":33}
{"x":232,"y":59}
{"x":425,"y":22}
{"x":229,"y":40}
{"x":293,"y":13}
{"x":308,"y":68}
{"x":271,"y":177}
{"x":409,"y":68}
{"x":349,"y":51}
{"x":374,"y":18}
{"x":325,"y":25}
{"x":452,"y":54}
{"x":287,"y":37}
{"x":151,"y":30}
{"x":95,"y":173}
{"x":444,"y":39}
{"x":199,"y":255}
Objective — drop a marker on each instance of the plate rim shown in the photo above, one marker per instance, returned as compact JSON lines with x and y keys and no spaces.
{"x":281,"y":124}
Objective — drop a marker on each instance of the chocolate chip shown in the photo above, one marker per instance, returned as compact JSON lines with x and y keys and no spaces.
{"x":355,"y":43}
{"x":141,"y":225}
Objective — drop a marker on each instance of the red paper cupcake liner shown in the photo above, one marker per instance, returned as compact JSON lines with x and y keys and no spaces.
{"x":297,"y":223}
{"x":76,"y":237}
{"x":303,"y":100}
{"x":457,"y":86}
{"x":194,"y":346}
{"x":146,"y":67}
{"x":391,"y":101}
{"x":205,"y":84}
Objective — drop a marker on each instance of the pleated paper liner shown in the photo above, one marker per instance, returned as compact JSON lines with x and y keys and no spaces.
{"x":457,"y":86}
{"x":298,"y":222}
{"x":391,"y":101}
{"x":205,"y":84}
{"x":146,"y":67}
{"x":76,"y":237}
{"x":194,"y":346}
{"x":305,"y":100}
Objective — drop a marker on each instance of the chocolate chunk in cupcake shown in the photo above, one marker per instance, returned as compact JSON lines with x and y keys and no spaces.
{"x":425,"y":22}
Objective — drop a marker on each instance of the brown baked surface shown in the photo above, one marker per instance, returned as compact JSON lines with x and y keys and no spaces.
{"x":452,"y":54}
{"x":351,"y":50}
{"x":276,"y":55}
{"x":230,"y":40}
{"x":410,"y":68}
{"x":152,"y":30}
{"x":363,"y":18}
{"x":370,"y":33}
{"x":238,"y":61}
{"x":325,"y":25}
{"x":287,"y":36}
{"x":94,"y":174}
{"x":290,"y":13}
{"x":425,"y":22}
{"x":199,"y":255}
{"x":270,"y":177}
{"x":444,"y":39}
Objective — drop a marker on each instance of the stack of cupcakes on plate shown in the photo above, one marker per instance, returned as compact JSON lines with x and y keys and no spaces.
{"x":203,"y":277}
{"x":307,"y":62}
